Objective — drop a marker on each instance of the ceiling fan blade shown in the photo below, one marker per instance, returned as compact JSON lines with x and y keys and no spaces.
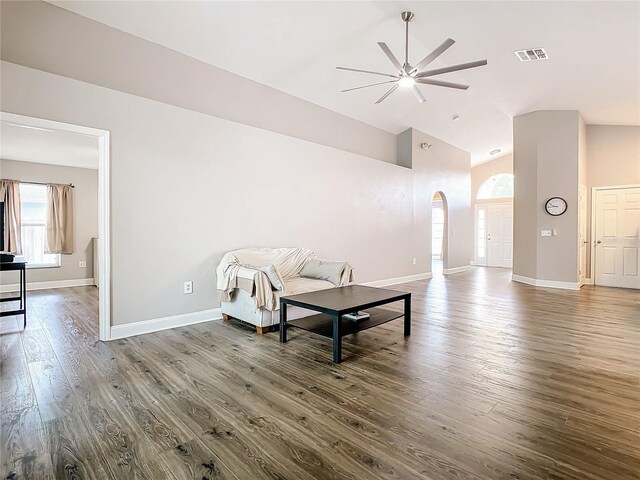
{"x":367,"y":71}
{"x":453,"y":68}
{"x":367,"y":86}
{"x":390,"y":55}
{"x":435,"y":54}
{"x":416,"y":91}
{"x":440,"y":83}
{"x":389,"y":92}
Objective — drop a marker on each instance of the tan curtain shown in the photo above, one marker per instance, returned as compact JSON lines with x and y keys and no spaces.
{"x":59,"y":219}
{"x":10,"y":195}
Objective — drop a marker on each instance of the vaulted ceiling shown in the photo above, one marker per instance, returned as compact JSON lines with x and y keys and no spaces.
{"x":594,"y":50}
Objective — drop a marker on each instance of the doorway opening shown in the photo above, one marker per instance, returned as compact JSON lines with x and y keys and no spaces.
{"x":438,"y":232}
{"x":61,"y":167}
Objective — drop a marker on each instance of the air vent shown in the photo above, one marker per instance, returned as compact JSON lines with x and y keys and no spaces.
{"x":531,"y":54}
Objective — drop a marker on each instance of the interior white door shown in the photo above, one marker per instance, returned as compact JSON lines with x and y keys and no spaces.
{"x":617,"y":237}
{"x":500,"y":235}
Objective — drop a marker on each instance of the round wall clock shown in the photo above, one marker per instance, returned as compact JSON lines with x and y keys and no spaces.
{"x":556,"y":206}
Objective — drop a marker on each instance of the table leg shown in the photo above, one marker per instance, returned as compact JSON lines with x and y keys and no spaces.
{"x":337,"y":338}
{"x":23,"y":296}
{"x":407,"y":316}
{"x":283,"y":322}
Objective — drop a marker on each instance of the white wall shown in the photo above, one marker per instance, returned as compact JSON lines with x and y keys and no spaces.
{"x":187,"y":187}
{"x":85,"y":203}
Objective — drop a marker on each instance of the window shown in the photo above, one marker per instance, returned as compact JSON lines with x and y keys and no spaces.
{"x":33,"y":203}
{"x":481,"y":234}
{"x":437,"y":229}
{"x":497,"y":186}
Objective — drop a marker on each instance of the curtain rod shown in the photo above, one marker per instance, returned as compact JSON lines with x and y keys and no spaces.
{"x":43,"y":183}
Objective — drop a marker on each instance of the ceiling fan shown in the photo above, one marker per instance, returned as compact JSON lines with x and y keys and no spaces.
{"x":408,"y":76}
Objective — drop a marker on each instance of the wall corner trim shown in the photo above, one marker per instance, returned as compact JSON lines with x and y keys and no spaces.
{"x":449,"y":271}
{"x":546,"y":283}
{"x":78,"y":282}
{"x":164,"y":323}
{"x":397,"y":280}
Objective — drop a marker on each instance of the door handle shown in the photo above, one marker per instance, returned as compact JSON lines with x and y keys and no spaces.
{"x":598,"y":242}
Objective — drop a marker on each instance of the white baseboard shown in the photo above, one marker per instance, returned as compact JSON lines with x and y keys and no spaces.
{"x":164,"y":323}
{"x":464,"y":268}
{"x":396,"y":280}
{"x":78,"y":282}
{"x":586,"y":281}
{"x":546,"y":283}
{"x":477,"y":264}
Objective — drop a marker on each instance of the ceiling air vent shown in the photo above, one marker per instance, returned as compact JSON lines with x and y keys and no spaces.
{"x":531,"y":54}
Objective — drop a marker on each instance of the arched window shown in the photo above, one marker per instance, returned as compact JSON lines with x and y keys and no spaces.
{"x":497,"y":186}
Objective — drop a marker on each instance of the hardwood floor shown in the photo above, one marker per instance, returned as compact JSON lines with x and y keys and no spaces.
{"x":498,"y":381}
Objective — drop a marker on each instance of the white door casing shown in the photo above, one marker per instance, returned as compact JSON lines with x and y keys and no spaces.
{"x":617,"y":237}
{"x":500,"y":235}
{"x":583,"y":241}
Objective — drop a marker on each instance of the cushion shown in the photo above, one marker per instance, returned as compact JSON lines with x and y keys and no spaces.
{"x":271,"y":273}
{"x":323,"y":270}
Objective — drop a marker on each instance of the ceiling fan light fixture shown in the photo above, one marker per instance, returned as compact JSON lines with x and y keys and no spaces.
{"x":407,"y":82}
{"x":409,"y":76}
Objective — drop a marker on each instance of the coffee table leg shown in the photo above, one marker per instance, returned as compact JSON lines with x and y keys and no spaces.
{"x":283,"y":323}
{"x":407,"y":316}
{"x":337,"y":339}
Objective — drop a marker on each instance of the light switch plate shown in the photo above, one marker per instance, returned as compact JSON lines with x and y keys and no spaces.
{"x":545,"y":233}
{"x":82,"y":264}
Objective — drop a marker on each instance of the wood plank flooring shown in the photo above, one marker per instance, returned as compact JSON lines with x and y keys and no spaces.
{"x":498,"y":381}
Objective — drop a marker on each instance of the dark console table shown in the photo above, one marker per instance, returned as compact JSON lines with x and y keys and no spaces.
{"x":336,"y":302}
{"x":22,"y":268}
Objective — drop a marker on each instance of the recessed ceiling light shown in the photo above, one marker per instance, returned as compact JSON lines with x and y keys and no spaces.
{"x":493,"y":152}
{"x":455,"y":118}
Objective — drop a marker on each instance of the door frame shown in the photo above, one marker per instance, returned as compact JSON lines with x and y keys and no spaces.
{"x":592,"y":230}
{"x":104,"y":206}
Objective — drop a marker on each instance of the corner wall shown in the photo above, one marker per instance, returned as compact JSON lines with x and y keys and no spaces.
{"x":546,"y":164}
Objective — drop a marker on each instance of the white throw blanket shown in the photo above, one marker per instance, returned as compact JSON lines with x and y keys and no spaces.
{"x":232,"y":272}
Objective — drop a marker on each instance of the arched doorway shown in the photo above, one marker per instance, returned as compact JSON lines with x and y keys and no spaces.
{"x":439,"y":230}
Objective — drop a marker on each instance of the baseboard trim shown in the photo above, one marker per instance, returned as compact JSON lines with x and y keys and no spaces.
{"x":164,"y":323}
{"x":477,"y":264}
{"x":546,"y":283}
{"x":586,"y":281}
{"x":449,"y":271}
{"x":78,"y":282}
{"x":397,"y":280}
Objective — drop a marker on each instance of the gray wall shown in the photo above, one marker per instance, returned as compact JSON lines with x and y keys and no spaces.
{"x":46,"y":37}
{"x":446,"y":169}
{"x":85,"y":202}
{"x":187,"y":187}
{"x":546,"y":159}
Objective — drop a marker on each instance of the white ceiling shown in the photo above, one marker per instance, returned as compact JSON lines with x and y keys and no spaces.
{"x":52,"y":147}
{"x":594,"y":50}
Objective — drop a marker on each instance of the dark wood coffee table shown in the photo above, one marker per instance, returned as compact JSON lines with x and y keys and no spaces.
{"x":336,"y":302}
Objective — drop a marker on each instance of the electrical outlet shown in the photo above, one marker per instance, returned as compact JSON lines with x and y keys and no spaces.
{"x":414,"y":261}
{"x":545,"y":233}
{"x":82,"y":264}
{"x":188,"y":287}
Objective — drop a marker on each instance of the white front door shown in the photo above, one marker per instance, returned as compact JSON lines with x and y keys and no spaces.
{"x":500,"y":235}
{"x":617,"y":237}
